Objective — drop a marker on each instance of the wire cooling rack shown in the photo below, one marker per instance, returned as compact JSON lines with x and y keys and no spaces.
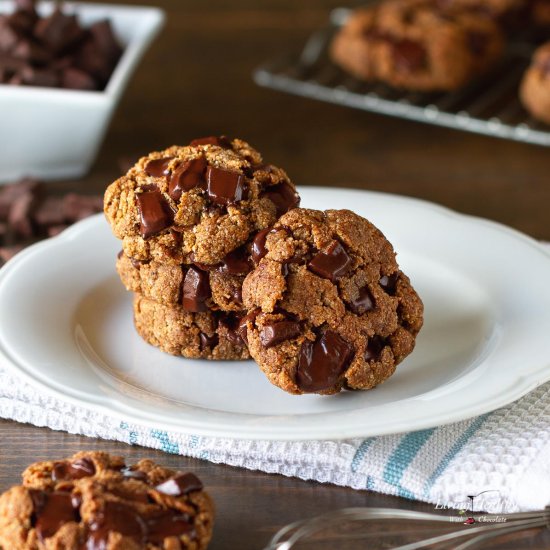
{"x":489,"y":105}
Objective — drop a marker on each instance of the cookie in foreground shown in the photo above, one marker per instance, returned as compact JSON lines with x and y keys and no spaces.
{"x":329,"y":308}
{"x":93,"y":500}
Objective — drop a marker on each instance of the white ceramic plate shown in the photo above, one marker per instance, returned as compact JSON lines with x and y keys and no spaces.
{"x":66,"y":326}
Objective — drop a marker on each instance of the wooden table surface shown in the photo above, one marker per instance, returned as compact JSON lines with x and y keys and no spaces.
{"x":196,"y":81}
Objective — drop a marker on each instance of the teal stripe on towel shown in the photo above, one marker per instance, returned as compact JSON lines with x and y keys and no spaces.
{"x":401,"y":458}
{"x":454,"y":450}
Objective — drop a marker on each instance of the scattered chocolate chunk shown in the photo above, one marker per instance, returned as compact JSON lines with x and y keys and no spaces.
{"x":195,"y":290}
{"x":332,"y":263}
{"x":26,"y":5}
{"x":180,"y":484}
{"x":77,"y":207}
{"x":409,"y":55}
{"x":236,"y":262}
{"x":283,"y":196}
{"x":19,"y":217}
{"x":208,"y":343}
{"x":52,"y":510}
{"x":275,"y":333}
{"x":364,"y":301}
{"x":375,"y":345}
{"x":8,"y":252}
{"x":323,"y":362}
{"x":187,"y":176}
{"x":224,"y":186}
{"x":155,"y":213}
{"x":389,"y":283}
{"x":83,"y":467}
{"x":157,"y":168}
{"x":54,"y":230}
{"x":50,"y":212}
{"x":221,"y":141}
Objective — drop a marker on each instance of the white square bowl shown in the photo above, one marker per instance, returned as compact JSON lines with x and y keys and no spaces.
{"x":54,"y":133}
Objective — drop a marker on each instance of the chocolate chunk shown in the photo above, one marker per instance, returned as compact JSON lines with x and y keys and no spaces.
{"x":236,"y":262}
{"x":63,"y":471}
{"x":258,"y":245}
{"x":275,"y":333}
{"x":231,"y":324}
{"x":23,"y":21}
{"x":9,"y":193}
{"x":49,"y":212}
{"x":31,"y":52}
{"x":323,"y":362}
{"x":131,"y":473}
{"x":409,"y":55}
{"x":75,"y":79}
{"x":105,"y":40}
{"x":168,"y":523}
{"x":237,"y":295}
{"x":224,"y":186}
{"x":77,"y":207}
{"x":29,"y":76}
{"x":9,"y":37}
{"x":55,"y":230}
{"x":221,"y":141}
{"x":242,"y":329}
{"x":332,"y":263}
{"x":8,"y":252}
{"x":208,"y":343}
{"x":195,"y":290}
{"x":187,"y":176}
{"x":19,"y":216}
{"x":157,"y":168}
{"x":180,"y":484}
{"x":364,"y":301}
{"x":52,"y":510}
{"x":155,"y":213}
{"x":118,"y":518}
{"x":477,"y":42}
{"x":389,"y":283}
{"x":26,"y":5}
{"x":375,"y":345}
{"x":58,"y":31}
{"x":283,"y":196}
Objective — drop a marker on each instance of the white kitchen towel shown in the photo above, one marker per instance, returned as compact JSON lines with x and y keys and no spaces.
{"x":506,"y":452}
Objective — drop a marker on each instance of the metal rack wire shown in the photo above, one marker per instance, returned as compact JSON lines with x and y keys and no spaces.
{"x":489,"y":105}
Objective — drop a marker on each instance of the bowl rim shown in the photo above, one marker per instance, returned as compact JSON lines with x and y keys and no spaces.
{"x":152,"y":20}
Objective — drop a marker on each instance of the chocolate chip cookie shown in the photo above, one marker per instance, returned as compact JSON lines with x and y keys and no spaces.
{"x":416,"y":45}
{"x":540,"y":13}
{"x":197,"y":203}
{"x":206,"y":335}
{"x":535,"y":86}
{"x":93,"y":500}
{"x":328,"y":305}
{"x":195,"y":288}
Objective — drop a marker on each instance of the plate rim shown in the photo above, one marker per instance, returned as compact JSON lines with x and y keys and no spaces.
{"x":524,"y":383}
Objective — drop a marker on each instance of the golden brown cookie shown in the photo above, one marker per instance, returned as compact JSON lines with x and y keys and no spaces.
{"x":196,"y":203}
{"x":207,"y":335}
{"x":166,"y":283}
{"x":93,"y":500}
{"x":416,"y":45}
{"x":535,"y":86}
{"x":329,"y":307}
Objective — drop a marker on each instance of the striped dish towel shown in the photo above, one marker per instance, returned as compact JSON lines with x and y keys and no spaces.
{"x":505,"y":454}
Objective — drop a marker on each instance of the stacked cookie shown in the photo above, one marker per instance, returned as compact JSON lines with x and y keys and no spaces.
{"x":187,"y":217}
{"x":224,"y":265}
